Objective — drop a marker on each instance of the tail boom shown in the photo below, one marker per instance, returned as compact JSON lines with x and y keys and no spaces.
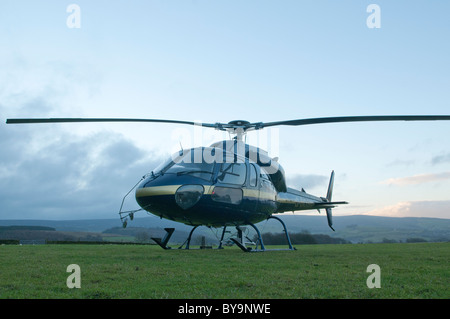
{"x":295,"y":200}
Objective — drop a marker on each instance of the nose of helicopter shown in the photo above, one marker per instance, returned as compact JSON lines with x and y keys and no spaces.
{"x":155,"y":196}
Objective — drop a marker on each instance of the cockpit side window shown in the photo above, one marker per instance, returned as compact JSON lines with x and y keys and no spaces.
{"x":264,"y":176}
{"x":233,"y":173}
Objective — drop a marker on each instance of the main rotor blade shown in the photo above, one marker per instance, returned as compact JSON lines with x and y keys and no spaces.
{"x":375,"y":118}
{"x":245,"y":126}
{"x":71,"y":120}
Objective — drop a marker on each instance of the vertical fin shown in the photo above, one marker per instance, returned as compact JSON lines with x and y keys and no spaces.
{"x":330,"y":187}
{"x":330,"y":218}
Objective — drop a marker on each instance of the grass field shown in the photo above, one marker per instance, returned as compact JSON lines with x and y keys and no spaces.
{"x":313,"y":271}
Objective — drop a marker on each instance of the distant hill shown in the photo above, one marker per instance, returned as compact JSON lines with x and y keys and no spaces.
{"x":354,"y":228}
{"x":14,"y":228}
{"x":20,"y":233}
{"x":142,"y":234}
{"x":95,"y":225}
{"x":87,"y":225}
{"x":363,"y":228}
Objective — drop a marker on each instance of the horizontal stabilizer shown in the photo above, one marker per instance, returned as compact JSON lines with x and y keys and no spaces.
{"x":329,"y":204}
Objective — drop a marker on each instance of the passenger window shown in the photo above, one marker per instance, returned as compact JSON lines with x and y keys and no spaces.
{"x":253,"y":176}
{"x":233,"y":173}
{"x":227,"y":195}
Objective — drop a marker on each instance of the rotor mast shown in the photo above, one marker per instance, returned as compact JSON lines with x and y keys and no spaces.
{"x":237,"y":128}
{"x":238,"y":133}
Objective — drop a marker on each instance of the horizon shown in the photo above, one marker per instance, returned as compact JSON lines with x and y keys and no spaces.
{"x":168,"y":220}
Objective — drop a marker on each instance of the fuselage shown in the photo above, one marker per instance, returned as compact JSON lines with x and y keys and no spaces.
{"x":228,"y":190}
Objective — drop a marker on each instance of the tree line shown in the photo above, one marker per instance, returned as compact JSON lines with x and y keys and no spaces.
{"x":302,"y":238}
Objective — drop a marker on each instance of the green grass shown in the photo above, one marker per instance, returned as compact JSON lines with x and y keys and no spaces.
{"x":124,"y":239}
{"x":313,"y":271}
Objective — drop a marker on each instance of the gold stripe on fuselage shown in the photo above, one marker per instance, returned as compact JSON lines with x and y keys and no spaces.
{"x":166,"y":190}
{"x":171,"y":189}
{"x":248,"y":192}
{"x":157,"y":190}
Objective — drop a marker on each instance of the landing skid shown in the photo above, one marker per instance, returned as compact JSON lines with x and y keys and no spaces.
{"x":240,"y":241}
{"x":163,"y":242}
{"x":169,"y":231}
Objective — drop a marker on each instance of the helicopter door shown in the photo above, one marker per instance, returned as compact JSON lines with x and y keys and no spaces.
{"x":230,"y":179}
{"x":267,"y":195}
{"x":252,"y":189}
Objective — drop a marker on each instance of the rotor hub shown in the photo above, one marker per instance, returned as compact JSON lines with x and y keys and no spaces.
{"x":239,"y":123}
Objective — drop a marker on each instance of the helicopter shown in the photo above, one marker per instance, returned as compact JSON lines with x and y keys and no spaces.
{"x":227,"y":184}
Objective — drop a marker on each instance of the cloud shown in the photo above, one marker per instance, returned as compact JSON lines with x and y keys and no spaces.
{"x":434,"y":209}
{"x":399,"y":162}
{"x":48,"y":172}
{"x":64,"y":176}
{"x":307,"y":181}
{"x":417,"y":179}
{"x":441,"y":159}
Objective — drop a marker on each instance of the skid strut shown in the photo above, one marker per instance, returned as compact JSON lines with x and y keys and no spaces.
{"x":285,"y":231}
{"x":240,"y":242}
{"x":187,"y":242}
{"x":163,"y":242}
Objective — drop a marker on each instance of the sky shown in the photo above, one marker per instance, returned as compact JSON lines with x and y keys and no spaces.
{"x":218,"y":61}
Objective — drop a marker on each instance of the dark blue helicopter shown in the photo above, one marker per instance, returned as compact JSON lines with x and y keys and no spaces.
{"x":232,"y":189}
{"x":229,"y":183}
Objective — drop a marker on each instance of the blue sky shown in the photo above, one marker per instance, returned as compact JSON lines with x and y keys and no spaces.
{"x":217,"y":61}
